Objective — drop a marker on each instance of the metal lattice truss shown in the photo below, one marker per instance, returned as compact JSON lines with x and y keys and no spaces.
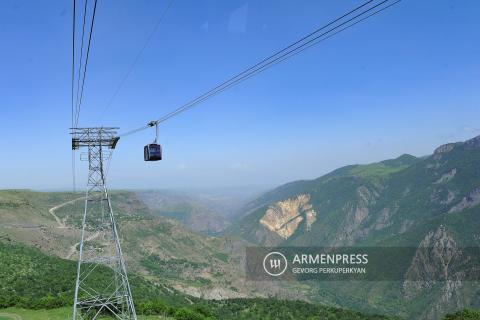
{"x":102,"y":286}
{"x":105,"y":137}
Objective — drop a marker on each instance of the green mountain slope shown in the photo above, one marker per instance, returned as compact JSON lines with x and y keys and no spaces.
{"x":327,"y":194}
{"x":405,"y":201}
{"x":365,"y":204}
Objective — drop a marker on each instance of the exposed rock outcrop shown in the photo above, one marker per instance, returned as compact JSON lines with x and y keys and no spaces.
{"x":433,"y":257}
{"x":447,"y":176}
{"x":356,"y":213}
{"x":383,"y":220}
{"x":405,"y":226}
{"x":284,"y":217}
{"x":216,"y":293}
{"x":445,"y":148}
{"x":471,"y":200}
{"x":436,"y":263}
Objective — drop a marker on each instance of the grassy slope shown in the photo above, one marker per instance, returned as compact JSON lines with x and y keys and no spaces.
{"x":24,"y":217}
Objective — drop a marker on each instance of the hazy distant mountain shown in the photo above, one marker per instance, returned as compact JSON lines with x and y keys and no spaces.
{"x":191,"y":212}
{"x":206,"y":211}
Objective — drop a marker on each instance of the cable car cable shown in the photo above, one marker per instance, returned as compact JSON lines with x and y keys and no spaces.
{"x":73,"y":85}
{"x":259,"y":67}
{"x":77,"y":110}
{"x":73,"y":58}
{"x":276,"y":61}
{"x":86,"y":59}
{"x":137,"y":58}
{"x":333,"y":34}
{"x":277,"y":53}
{"x":298,"y":41}
{"x":238,"y":79}
{"x":227,"y":85}
{"x":200,"y":98}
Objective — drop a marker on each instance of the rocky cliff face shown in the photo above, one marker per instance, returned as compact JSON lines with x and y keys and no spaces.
{"x":437,"y":272}
{"x":357,"y":212}
{"x":433,"y":261}
{"x":285,"y":217}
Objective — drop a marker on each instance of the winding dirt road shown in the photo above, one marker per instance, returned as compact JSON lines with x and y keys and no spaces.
{"x":73,"y":248}
{"x":61,"y":225}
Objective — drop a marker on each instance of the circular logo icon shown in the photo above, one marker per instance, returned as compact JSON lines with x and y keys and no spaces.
{"x":275,"y":264}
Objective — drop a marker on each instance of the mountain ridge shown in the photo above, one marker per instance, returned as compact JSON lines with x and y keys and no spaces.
{"x":395,"y":202}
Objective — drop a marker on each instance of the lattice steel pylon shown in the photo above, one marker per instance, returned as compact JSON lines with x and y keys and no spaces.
{"x":102,"y":286}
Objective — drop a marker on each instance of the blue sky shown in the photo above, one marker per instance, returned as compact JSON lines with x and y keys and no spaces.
{"x":405,"y":81}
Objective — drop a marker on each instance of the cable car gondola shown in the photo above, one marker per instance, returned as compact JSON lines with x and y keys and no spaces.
{"x":153,"y":151}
